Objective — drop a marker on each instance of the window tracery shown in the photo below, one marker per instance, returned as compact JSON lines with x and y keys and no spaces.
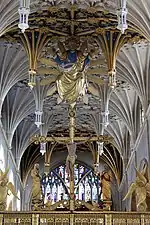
{"x":55,"y":186}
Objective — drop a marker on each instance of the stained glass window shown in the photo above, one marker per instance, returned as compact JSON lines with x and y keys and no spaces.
{"x":56,"y":185}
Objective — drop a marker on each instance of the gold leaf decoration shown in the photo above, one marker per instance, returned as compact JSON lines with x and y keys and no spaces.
{"x":51,"y":20}
{"x":100,"y":70}
{"x":105,"y":12}
{"x":92,"y":20}
{"x":96,"y":80}
{"x":135,"y":39}
{"x":43,"y":70}
{"x":73,"y":7}
{"x":100,"y":30}
{"x":53,"y":9}
{"x":48,"y":62}
{"x":44,"y":29}
{"x":98,"y":62}
{"x":9,"y":38}
{"x":38,"y":19}
{"x":91,"y":10}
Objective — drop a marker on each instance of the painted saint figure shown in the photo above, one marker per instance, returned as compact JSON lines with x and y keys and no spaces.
{"x":72,"y":82}
{"x":106,"y":185}
{"x":70,"y":69}
{"x":36,"y":184}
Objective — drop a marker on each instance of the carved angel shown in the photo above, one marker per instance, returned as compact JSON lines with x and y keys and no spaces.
{"x":5,"y":186}
{"x":141,"y":188}
{"x":70,"y":70}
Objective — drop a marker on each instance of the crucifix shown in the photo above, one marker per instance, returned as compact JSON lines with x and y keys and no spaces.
{"x":71,"y":142}
{"x":71,"y":86}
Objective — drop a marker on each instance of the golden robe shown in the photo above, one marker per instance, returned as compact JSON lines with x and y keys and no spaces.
{"x":72,"y":82}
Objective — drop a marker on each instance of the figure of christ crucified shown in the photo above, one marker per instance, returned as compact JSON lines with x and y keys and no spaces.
{"x":70,"y":161}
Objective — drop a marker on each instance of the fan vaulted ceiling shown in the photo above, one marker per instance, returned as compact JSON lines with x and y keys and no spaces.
{"x":18,"y":102}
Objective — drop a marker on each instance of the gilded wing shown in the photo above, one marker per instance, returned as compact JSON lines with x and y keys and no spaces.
{"x":48,"y":81}
{"x":61,"y":47}
{"x":4,"y":174}
{"x":11,"y":187}
{"x":51,"y":91}
{"x":97,"y":62}
{"x":148,"y":188}
{"x":1,"y":173}
{"x":144,"y":170}
{"x":96,"y":80}
{"x":93,"y":90}
{"x":141,"y":195}
{"x":51,"y":71}
{"x":132,"y":188}
{"x":48,"y":62}
{"x":51,"y":51}
{"x":140,"y":176}
{"x":101,"y":70}
{"x":84,"y":45}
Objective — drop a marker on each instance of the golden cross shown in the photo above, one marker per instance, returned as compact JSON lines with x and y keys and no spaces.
{"x":38,"y":139}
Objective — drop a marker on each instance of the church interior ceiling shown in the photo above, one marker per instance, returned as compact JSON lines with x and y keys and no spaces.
{"x":94,"y":21}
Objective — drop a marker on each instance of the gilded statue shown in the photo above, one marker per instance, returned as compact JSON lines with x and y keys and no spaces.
{"x":70,"y":67}
{"x":70,"y":161}
{"x":142,"y":189}
{"x":106,"y":185}
{"x":37,"y":198}
{"x":71,"y":157}
{"x":72,"y":64}
{"x":5,"y":186}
